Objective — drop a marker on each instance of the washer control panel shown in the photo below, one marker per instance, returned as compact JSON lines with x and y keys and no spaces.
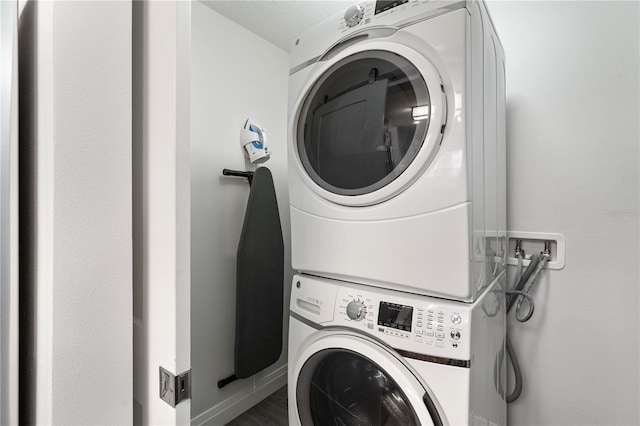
{"x":356,"y":310}
{"x":419,"y":324}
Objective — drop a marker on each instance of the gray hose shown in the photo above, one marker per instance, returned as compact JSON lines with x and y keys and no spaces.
{"x":516,"y":278}
{"x":523,"y":279}
{"x":531,"y":305}
{"x":527,"y":272}
{"x":529,"y":285}
{"x":517,"y":390}
{"x":519,"y":291}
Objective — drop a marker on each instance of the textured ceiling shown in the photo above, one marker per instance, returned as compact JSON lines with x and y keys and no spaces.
{"x":278,"y":21}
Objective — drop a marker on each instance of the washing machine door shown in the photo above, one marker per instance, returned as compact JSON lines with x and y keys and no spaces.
{"x":369,"y":123}
{"x":349,"y":379}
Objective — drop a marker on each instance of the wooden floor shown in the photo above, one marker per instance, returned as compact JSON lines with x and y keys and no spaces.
{"x":270,"y":412}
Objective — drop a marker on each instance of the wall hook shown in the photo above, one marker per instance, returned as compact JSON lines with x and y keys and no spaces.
{"x":238,"y":173}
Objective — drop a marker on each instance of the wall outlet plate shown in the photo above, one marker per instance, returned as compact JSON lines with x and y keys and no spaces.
{"x":533,"y":243}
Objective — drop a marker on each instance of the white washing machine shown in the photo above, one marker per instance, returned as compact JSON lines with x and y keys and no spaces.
{"x":397,"y":148}
{"x":361,"y":355}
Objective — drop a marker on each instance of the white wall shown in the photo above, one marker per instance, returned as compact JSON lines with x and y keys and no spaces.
{"x":235,"y":75}
{"x":80,"y":121}
{"x":572,"y":135}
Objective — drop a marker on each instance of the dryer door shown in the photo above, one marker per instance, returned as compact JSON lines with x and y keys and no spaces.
{"x":349,"y":379}
{"x":369,"y":123}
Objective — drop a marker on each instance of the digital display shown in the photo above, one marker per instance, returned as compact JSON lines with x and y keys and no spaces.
{"x":384,"y":5}
{"x":395,"y":316}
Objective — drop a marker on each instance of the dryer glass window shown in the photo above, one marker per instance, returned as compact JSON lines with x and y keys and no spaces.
{"x":341,"y":387}
{"x":363,"y":122}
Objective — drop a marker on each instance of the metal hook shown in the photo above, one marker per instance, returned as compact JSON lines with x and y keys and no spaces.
{"x":247,"y":175}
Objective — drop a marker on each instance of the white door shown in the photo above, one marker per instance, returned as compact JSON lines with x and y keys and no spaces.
{"x":162,"y":341}
{"x":8,"y":213}
{"x":368,"y":123}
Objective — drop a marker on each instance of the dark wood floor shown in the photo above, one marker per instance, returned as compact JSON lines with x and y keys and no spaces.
{"x":270,"y":412}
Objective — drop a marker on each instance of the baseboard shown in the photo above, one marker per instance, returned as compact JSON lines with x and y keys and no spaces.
{"x":230,"y":408}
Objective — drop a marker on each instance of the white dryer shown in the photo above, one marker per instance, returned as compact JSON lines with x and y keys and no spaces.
{"x":361,"y":355}
{"x":397,"y":148}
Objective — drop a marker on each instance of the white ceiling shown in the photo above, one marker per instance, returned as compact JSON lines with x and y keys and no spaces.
{"x":278,"y":21}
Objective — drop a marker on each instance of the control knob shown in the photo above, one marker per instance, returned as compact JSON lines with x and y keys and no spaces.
{"x":353,"y":15}
{"x":356,"y":310}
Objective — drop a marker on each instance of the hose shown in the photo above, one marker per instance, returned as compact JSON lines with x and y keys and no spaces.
{"x":523,"y":279}
{"x":516,"y":278}
{"x":515,"y":394}
{"x":520,"y":291}
{"x":543,"y":259}
{"x":531,"y":305}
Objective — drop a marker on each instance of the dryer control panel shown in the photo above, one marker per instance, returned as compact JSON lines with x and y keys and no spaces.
{"x":362,"y":15}
{"x":385,"y":12}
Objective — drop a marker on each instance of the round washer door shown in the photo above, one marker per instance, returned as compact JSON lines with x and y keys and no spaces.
{"x":369,"y":123}
{"x":349,"y":379}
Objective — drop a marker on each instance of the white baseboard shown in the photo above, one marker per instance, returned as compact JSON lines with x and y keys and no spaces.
{"x":227,"y":410}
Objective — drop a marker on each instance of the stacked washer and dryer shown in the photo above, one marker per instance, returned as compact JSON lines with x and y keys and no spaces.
{"x":397,"y":188}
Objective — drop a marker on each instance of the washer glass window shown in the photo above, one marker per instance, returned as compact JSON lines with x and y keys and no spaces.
{"x":341,"y":387}
{"x":363,"y":122}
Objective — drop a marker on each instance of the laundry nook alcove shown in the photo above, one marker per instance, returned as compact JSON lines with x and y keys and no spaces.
{"x":435,"y":179}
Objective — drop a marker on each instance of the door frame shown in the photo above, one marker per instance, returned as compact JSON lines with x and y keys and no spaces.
{"x":161,"y":157}
{"x":9,"y":309}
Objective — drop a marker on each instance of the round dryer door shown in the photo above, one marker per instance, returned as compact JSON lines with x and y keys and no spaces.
{"x":369,"y":124}
{"x":352,"y":380}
